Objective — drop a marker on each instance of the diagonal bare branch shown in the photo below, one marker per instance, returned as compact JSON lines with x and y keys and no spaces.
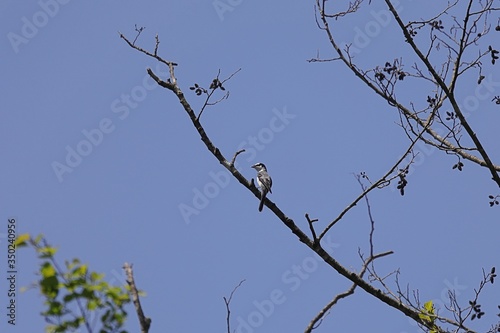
{"x":145,"y":322}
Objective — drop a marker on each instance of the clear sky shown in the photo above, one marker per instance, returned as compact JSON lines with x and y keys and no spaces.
{"x":75,"y":95}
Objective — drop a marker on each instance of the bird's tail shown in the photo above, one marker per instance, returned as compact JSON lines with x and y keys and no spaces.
{"x":261,"y":205}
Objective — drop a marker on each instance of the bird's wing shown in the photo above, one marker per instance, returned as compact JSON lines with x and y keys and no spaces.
{"x":266,"y":182}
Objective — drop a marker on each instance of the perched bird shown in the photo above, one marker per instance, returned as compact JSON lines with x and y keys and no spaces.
{"x":265,"y":182}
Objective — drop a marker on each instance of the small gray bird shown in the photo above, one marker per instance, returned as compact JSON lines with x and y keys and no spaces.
{"x":265,"y":182}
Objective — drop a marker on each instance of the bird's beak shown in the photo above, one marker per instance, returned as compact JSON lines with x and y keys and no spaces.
{"x":254,"y":166}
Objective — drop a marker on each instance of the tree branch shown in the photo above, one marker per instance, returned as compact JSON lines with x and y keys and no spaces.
{"x":227,"y":301}
{"x":449,"y":91}
{"x":144,"y":321}
{"x":289,"y":223}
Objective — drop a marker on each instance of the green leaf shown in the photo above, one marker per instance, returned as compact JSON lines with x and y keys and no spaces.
{"x":55,"y":309}
{"x":72,"y":263}
{"x":75,"y":282}
{"x":50,"y":286}
{"x":68,"y":298}
{"x":88,"y":294}
{"x":46,"y":252}
{"x":428,"y":315}
{"x":47,"y":270}
{"x":79,"y":271}
{"x":96,"y":277}
{"x":429,"y":307}
{"x":37,"y":240}
{"x":22,"y":240}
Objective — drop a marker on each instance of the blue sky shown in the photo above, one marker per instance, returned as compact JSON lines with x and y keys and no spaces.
{"x":70,"y":79}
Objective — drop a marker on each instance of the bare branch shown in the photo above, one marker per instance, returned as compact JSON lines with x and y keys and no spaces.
{"x":227,"y":301}
{"x":449,"y":91}
{"x":139,"y":31}
{"x":372,"y":222}
{"x":385,"y":91}
{"x":236,"y":155}
{"x":144,"y":321}
{"x":311,"y":227}
{"x":385,"y":86}
{"x":216,"y":84}
{"x":170,"y":64}
{"x":318,"y":319}
{"x":382,"y":182}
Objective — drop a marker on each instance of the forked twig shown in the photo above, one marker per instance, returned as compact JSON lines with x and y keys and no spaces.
{"x":227,"y":301}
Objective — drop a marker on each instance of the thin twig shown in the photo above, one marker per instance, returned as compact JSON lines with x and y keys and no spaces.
{"x":372,"y":222}
{"x":228,"y":302}
{"x":318,"y":319}
{"x":212,"y":91}
{"x":139,"y":31}
{"x":170,"y":64}
{"x":381,"y":182}
{"x":156,"y":45}
{"x":313,"y":232}
{"x":236,"y":155}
